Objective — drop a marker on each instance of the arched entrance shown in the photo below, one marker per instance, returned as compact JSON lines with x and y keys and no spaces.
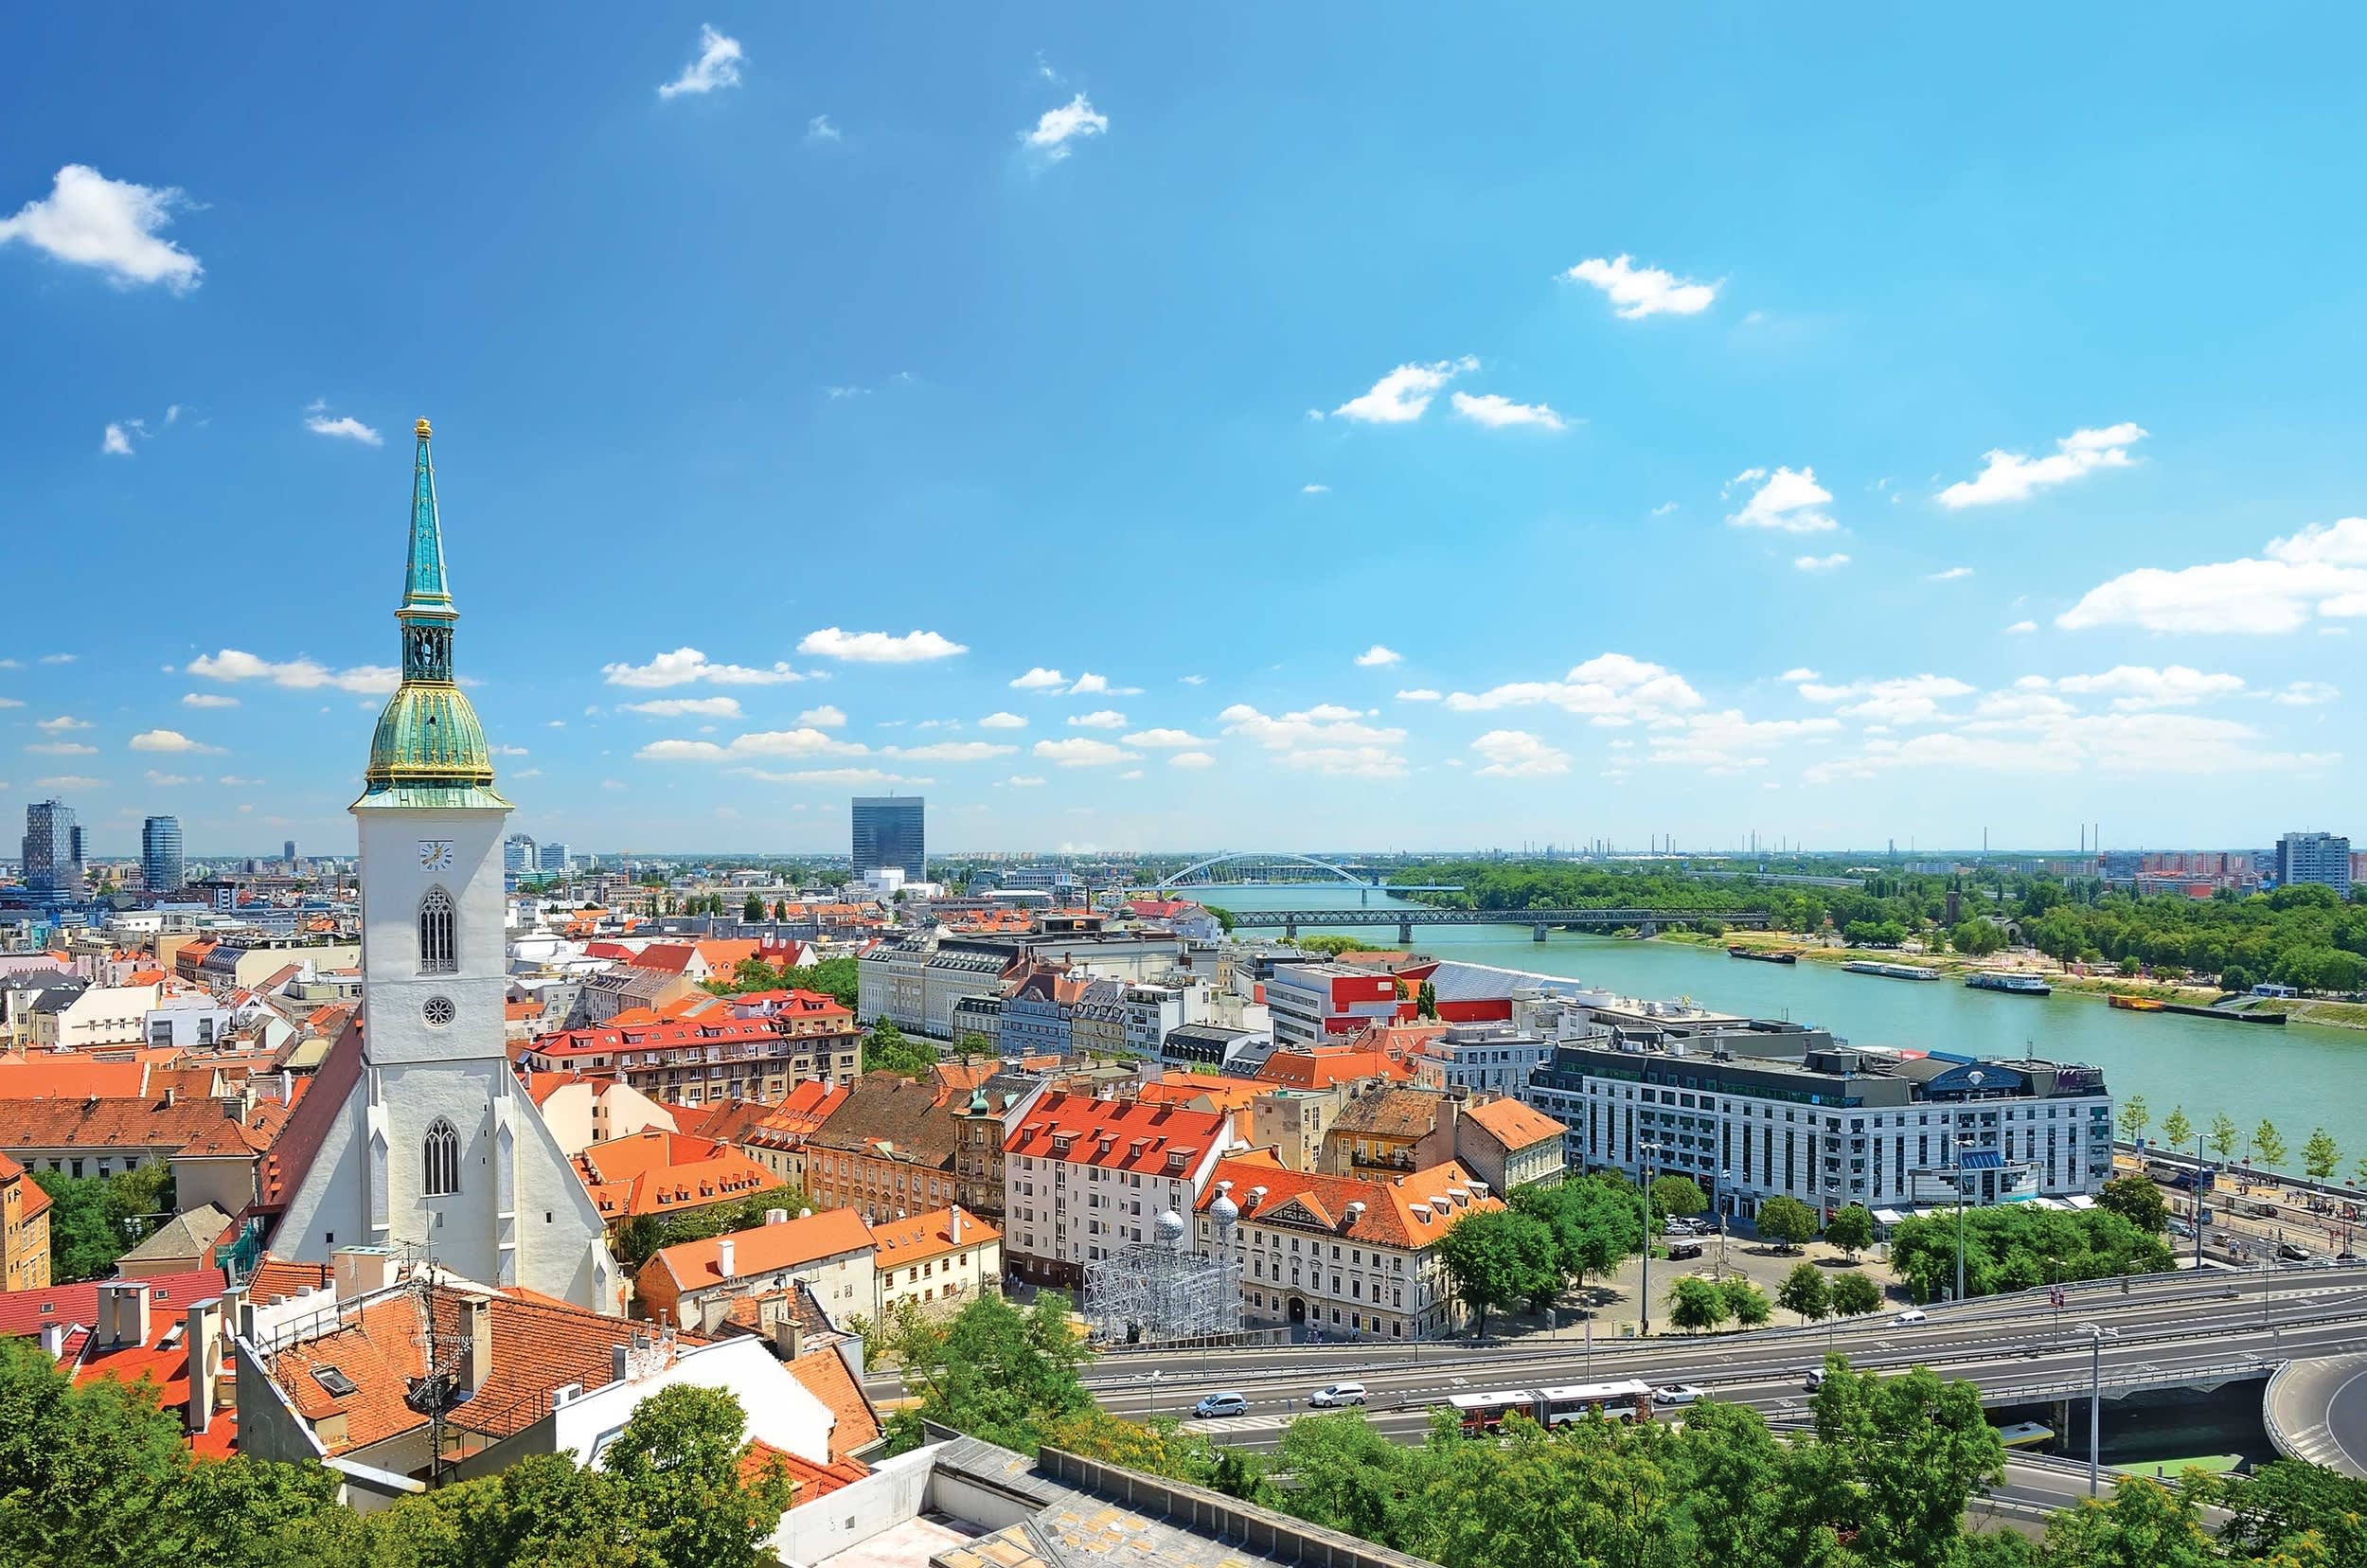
{"x":1298,"y":1312}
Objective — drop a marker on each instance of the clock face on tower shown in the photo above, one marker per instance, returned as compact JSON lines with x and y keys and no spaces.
{"x":436,"y":854}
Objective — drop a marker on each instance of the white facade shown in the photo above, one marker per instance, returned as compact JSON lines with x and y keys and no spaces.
{"x":1492,"y":1058}
{"x":101,"y":1015}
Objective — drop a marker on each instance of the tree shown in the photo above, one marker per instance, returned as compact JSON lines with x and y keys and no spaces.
{"x":2020,"y":1246}
{"x":2224,"y":1136}
{"x":1694,"y":1303}
{"x":1224,"y":918}
{"x":2294,"y":1512}
{"x":2268,"y":1144}
{"x":2177,"y":1131}
{"x":1426,"y":1001}
{"x":1499,"y":1260}
{"x":2321,"y":1154}
{"x":1977,"y":938}
{"x":1854,"y":1295}
{"x":1851,"y":1229}
{"x":753,"y":911}
{"x":2135,"y":1118}
{"x":1745,"y":1302}
{"x":1804,"y":1291}
{"x":2136,"y":1200}
{"x":96,"y":1220}
{"x":989,"y":1370}
{"x":2235,"y":977}
{"x":1786,"y":1221}
{"x":83,"y":1470}
{"x":887,"y":1049}
{"x":1345,"y":1475}
{"x":1673,"y":1196}
{"x":2143,"y":1525}
{"x":1900,"y":1457}
{"x":1596,"y":1220}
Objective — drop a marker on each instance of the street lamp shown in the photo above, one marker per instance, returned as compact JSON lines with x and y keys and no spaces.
{"x":1963,"y":1139}
{"x":1644,"y":1288}
{"x":2095,"y":1401}
{"x":1723,"y":1177}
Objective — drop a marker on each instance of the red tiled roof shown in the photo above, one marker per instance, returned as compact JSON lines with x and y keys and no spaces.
{"x":110,"y":1123}
{"x":825,"y":1375}
{"x":275,"y":1278}
{"x":1513,"y":1124}
{"x":1115,"y":1135}
{"x":33,"y":1199}
{"x":1412,"y":1210}
{"x":925,"y":1236}
{"x":654,"y":1171}
{"x":25,"y":1312}
{"x":71,"y":1074}
{"x":765,"y":1249}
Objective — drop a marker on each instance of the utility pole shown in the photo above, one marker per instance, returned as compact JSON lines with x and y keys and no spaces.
{"x":1644,"y":1287}
{"x":2095,"y":1402}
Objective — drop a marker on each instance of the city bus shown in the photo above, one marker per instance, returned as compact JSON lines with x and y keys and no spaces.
{"x":1628,"y":1400}
{"x":1484,"y":1413}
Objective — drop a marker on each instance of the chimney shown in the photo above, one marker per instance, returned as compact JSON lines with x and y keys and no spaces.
{"x":712,"y":1310}
{"x":726,"y":1253}
{"x":53,"y":1338}
{"x":123,"y":1312}
{"x":619,"y":1362}
{"x":232,"y":1110}
{"x":173,"y":1096}
{"x":954,"y":1226}
{"x":786,"y":1334}
{"x":202,"y":1337}
{"x":776,"y":1217}
{"x":476,"y":1354}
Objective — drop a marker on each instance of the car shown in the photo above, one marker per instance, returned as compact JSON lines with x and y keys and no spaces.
{"x":1913,"y":1314}
{"x":2346,"y":1255}
{"x":2181,"y":1229}
{"x":2292,"y":1251}
{"x":1680,"y":1250}
{"x":1332,"y":1396}
{"x":1221,"y":1404}
{"x":1814,"y":1380}
{"x":1676,"y":1394}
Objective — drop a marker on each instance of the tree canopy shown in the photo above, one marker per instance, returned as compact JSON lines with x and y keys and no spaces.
{"x":1499,"y":1259}
{"x":2017,"y":1247}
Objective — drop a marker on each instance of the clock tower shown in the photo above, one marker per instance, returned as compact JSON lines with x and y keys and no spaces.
{"x":436,"y":1147}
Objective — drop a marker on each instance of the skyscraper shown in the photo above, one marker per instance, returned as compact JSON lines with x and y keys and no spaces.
{"x":2320,"y":857}
{"x":889,"y":834}
{"x":553,"y":857}
{"x":518,"y":855}
{"x":160,"y":854}
{"x":287,"y":851}
{"x":53,"y":853}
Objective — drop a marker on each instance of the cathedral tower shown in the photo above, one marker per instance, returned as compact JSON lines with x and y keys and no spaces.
{"x":434,"y":1146}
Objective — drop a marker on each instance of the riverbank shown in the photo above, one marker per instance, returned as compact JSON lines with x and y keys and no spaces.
{"x":1955,"y":965}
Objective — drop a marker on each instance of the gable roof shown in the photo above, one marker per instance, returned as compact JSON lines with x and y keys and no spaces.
{"x":1389,"y":1111}
{"x":1514,"y":1124}
{"x":1407,"y":1211}
{"x":27,"y":1311}
{"x":1115,"y":1135}
{"x":764,"y":1249}
{"x":119,"y":1123}
{"x":898,"y":1242}
{"x":891,"y":1117}
{"x":824,"y":1375}
{"x":71,"y":1074}
{"x":188,"y":1234}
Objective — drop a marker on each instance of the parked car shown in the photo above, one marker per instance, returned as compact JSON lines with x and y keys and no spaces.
{"x":1680,"y":1250}
{"x":1676,"y":1394}
{"x":1913,"y":1314}
{"x":1221,"y":1404}
{"x":2181,"y":1229}
{"x":1332,"y":1396}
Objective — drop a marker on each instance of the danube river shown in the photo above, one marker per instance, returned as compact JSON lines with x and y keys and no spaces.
{"x":2298,"y":1077}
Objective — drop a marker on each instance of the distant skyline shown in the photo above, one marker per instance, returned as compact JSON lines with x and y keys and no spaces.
{"x":1254,"y":429}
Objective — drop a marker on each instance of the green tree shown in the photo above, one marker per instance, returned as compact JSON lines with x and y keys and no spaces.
{"x":1737,"y":1489}
{"x":1851,"y":1229}
{"x":753,"y":911}
{"x":2136,"y":1200}
{"x":1677,"y":1196}
{"x":887,"y":1049}
{"x":1596,"y":1220}
{"x":2224,"y":1136}
{"x":1224,"y":918}
{"x":1898,"y":1458}
{"x":2177,"y":1131}
{"x":84,"y":1472}
{"x":2019,"y":1246}
{"x":1786,"y":1221}
{"x":1745,"y":1302}
{"x":2291,"y":1512}
{"x":1854,"y":1295}
{"x":2143,"y":1525}
{"x":96,"y":1220}
{"x":1804,"y":1291}
{"x":678,"y":1461}
{"x":1977,"y":938}
{"x":1694,"y":1303}
{"x":1499,"y":1260}
{"x":989,"y":1370}
{"x":1426,"y":1001}
{"x":2135,"y":1118}
{"x":1345,"y":1475}
{"x":2321,"y":1154}
{"x":2268,"y":1144}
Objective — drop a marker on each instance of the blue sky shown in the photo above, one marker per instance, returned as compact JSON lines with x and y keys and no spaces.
{"x":1968,"y":437}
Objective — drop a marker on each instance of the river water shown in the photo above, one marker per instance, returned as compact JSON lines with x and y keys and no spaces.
{"x":2299,"y":1077}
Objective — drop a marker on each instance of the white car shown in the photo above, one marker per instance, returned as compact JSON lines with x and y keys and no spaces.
{"x":1676,"y":1394}
{"x":1913,"y":1314}
{"x":1332,"y":1396}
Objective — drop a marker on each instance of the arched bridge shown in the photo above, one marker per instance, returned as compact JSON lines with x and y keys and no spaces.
{"x":1647,"y":921}
{"x":1271,"y":868}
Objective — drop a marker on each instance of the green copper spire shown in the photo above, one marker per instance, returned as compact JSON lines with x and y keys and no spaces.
{"x":429,"y":749}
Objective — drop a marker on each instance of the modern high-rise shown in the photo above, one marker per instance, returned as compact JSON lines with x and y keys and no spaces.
{"x":53,"y":853}
{"x":2320,"y":857}
{"x":518,"y":855}
{"x":160,"y":855}
{"x":889,"y":836}
{"x":553,"y":857}
{"x":287,"y":851}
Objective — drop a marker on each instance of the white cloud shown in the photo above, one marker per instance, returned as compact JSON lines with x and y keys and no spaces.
{"x":1799,"y":672}
{"x":1040,"y":679}
{"x":1023,"y":781}
{"x":718,"y":65}
{"x":1347,"y":762}
{"x":299,"y":674}
{"x":1724,"y":740}
{"x":1403,"y":395}
{"x":1418,"y":694}
{"x":1501,"y":413}
{"x":345,"y":427}
{"x":2016,"y":476}
{"x":507,"y":751}
{"x":115,"y":443}
{"x":1903,"y":700}
{"x":208,"y":699}
{"x":2020,"y":627}
{"x":2142,"y":744}
{"x":796,"y":742}
{"x":1001,"y":721}
{"x":1055,"y":128}
{"x":168,"y":740}
{"x":1304,"y":489}
{"x":1377,"y":656}
{"x":2135,"y":687}
{"x":234,"y":781}
{"x":1952,"y":575}
{"x":171,"y":781}
{"x":1192,"y":680}
{"x":820,"y":130}
{"x":1131,"y":773}
{"x":1663,"y":508}
{"x":684,"y":707}
{"x":953,"y":750}
{"x":1793,"y":503}
{"x":1639,"y":292}
{"x":1609,"y":686}
{"x":684,"y":666}
{"x":94,"y":221}
{"x":826,"y":717}
{"x":63,"y":723}
{"x":62,"y":748}
{"x":828,"y":775}
{"x":1099,"y":685}
{"x":1325,"y":724}
{"x":1517,"y":753}
{"x":879,"y":647}
{"x":1100,"y":719}
{"x":2320,"y":570}
{"x":1191,"y":759}
{"x":1161,"y":740}
{"x":59,"y":658}
{"x":2306,"y":694}
{"x":1821,"y":563}
{"x":71,"y":781}
{"x":1077,"y":751}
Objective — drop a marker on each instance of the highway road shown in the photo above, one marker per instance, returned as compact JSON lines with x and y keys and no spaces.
{"x":2318,"y":1411}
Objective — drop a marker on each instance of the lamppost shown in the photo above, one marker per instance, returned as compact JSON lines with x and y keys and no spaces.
{"x":1962,"y":1138}
{"x":1644,"y":1288}
{"x":2095,"y":1401}
{"x":1723,"y":1177}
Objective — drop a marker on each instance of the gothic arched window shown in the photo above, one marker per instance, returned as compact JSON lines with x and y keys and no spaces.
{"x":439,"y":951}
{"x":440,"y":1170}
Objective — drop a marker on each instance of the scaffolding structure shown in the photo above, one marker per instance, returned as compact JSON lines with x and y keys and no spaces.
{"x":1153,"y":1291}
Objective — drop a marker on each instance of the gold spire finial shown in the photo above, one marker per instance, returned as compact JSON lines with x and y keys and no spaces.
{"x":422,"y":431}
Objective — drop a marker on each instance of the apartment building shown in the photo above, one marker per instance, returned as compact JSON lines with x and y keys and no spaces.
{"x":700,"y":1060}
{"x":1084,"y":1177}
